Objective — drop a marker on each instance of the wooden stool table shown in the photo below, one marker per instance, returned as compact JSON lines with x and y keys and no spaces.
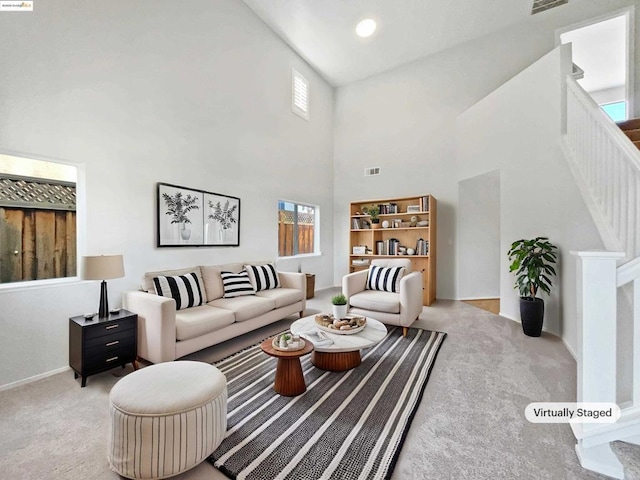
{"x":289,"y":377}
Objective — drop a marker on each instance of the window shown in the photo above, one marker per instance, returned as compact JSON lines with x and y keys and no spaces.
{"x":617,"y":111}
{"x":298,"y":231}
{"x":300,"y":95}
{"x":37,"y":220}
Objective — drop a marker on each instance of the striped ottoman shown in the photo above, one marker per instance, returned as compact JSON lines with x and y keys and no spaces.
{"x":166,"y":419}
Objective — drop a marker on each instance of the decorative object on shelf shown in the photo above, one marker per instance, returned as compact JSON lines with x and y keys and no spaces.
{"x":183,"y":222}
{"x":413,"y":220}
{"x":423,"y":223}
{"x":359,"y":250}
{"x":102,"y":267}
{"x":385,"y":224}
{"x":532,"y":260}
{"x":339,"y":303}
{"x":413,"y":208}
{"x":410,"y":251}
{"x":374,"y":211}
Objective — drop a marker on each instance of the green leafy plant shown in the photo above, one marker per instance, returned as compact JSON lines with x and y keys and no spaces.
{"x":223,"y":215}
{"x":178,"y":206}
{"x":339,"y":299}
{"x":532,"y":261}
{"x":374,"y":211}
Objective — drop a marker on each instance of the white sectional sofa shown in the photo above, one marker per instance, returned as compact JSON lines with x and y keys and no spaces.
{"x":165,"y":333}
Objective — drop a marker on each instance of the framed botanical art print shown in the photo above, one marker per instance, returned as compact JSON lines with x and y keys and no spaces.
{"x":221,"y":220}
{"x":195,"y":218}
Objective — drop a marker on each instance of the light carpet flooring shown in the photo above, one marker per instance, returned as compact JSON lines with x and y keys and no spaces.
{"x":470,"y":424}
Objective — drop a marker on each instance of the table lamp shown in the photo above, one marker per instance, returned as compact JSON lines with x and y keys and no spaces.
{"x":102,"y":267}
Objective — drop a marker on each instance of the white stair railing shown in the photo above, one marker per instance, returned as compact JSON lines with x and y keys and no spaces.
{"x":606,"y":167}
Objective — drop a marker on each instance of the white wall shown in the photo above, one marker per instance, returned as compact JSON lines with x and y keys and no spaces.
{"x":479,"y":249}
{"x":537,"y":195}
{"x":155,"y":91}
{"x":404,"y":121}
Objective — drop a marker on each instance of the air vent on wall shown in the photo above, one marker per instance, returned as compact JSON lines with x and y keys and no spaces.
{"x":542,"y":5}
{"x":371,"y":171}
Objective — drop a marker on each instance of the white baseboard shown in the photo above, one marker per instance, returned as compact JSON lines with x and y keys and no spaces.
{"x":35,"y":378}
{"x":478,"y":298}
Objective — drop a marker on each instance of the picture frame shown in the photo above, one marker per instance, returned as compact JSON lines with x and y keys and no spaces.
{"x":221,"y":220}
{"x":188,"y":217}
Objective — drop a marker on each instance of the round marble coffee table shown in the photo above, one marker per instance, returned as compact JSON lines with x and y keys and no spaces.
{"x":344,"y":352}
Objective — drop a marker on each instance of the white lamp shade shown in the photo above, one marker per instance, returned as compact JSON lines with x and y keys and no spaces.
{"x":102,"y":267}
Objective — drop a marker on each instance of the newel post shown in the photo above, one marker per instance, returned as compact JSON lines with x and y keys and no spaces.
{"x":597,"y":321}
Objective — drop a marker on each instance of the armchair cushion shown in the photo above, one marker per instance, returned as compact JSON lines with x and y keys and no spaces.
{"x":386,"y":279}
{"x":376,"y":301}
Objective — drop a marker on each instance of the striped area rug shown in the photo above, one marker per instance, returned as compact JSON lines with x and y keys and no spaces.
{"x":347,"y":425}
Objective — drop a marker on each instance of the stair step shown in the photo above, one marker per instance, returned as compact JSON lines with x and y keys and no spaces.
{"x":634,"y":135}
{"x":632,"y":124}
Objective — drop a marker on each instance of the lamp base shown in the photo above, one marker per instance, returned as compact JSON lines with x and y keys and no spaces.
{"x":103,"y":310}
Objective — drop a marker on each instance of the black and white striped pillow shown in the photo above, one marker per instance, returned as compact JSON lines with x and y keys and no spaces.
{"x":263,"y":277}
{"x":184,"y":289}
{"x":236,"y":284}
{"x":386,"y":279}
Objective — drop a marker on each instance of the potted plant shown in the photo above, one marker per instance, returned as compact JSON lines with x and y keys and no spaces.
{"x":532,"y":260}
{"x":339,"y":306}
{"x":224,"y":217}
{"x":178,"y":206}
{"x":374,"y":211}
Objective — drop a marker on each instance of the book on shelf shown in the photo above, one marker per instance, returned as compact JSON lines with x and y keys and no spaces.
{"x":355,"y":224}
{"x":360,"y":262}
{"x":424,"y":203}
{"x":422,"y":247}
{"x":387,"y":208}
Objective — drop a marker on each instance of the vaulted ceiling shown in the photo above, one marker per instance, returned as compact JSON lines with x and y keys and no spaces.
{"x":322,"y":31}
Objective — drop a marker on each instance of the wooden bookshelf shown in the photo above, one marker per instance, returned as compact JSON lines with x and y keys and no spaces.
{"x":400,"y":233}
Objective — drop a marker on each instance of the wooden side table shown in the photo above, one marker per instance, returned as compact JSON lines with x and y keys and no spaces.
{"x":99,"y":344}
{"x":289,"y":380}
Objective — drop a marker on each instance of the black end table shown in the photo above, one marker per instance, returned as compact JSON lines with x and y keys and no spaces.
{"x":99,"y":344}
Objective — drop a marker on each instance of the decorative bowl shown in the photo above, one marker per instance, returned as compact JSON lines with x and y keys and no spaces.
{"x":344,"y":326}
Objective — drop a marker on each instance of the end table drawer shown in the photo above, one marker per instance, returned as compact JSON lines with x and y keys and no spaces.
{"x":110,"y":359}
{"x":109,"y":344}
{"x":110,"y":328}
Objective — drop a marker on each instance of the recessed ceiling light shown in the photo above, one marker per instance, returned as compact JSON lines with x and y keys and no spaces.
{"x":366,"y":27}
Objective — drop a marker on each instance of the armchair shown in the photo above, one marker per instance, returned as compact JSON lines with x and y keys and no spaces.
{"x":401,"y":309}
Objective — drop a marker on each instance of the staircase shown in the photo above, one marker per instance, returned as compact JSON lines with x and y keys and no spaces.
{"x":631,"y":129}
{"x":605,"y":163}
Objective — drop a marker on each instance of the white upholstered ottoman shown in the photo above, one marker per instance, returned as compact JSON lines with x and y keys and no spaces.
{"x":166,"y":419}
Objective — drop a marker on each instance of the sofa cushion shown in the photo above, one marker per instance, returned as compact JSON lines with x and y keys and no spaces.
{"x":376,"y":300}
{"x":212,"y":280}
{"x":236,"y":284}
{"x":196,"y":321}
{"x":246,"y":307}
{"x":263,"y":277}
{"x":282,"y":296}
{"x":184,"y":289}
{"x":147,"y":279}
{"x":386,"y":279}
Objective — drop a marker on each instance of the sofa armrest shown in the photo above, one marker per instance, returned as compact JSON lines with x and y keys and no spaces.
{"x":295,"y":280}
{"x":353,"y":283}
{"x":410,"y":298}
{"x":156,"y":325}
